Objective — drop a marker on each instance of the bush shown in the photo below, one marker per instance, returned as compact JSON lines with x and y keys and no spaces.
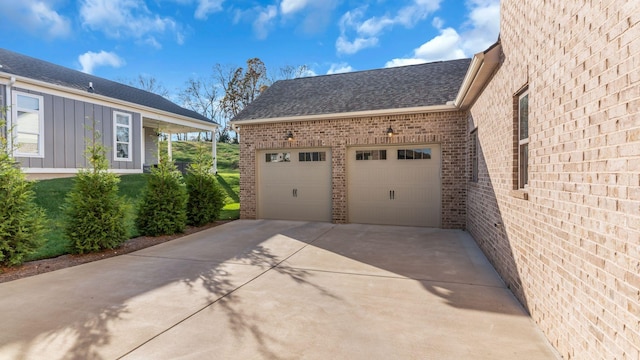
{"x":163,"y":207}
{"x":206,"y":199}
{"x":22,"y":222}
{"x":95,"y":216}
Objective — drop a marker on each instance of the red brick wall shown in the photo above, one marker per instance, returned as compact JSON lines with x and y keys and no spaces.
{"x":445,"y":128}
{"x":571,"y":251}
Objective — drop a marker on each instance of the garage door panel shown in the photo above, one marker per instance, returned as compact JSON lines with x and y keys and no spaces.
{"x":402,"y":189}
{"x":294,"y":189}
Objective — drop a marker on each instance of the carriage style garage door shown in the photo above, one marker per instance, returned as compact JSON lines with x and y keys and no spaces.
{"x":395,"y":185}
{"x":294,"y":184}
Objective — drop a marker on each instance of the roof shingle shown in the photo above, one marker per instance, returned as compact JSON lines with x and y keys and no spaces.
{"x":25,"y":66}
{"x":428,"y":84}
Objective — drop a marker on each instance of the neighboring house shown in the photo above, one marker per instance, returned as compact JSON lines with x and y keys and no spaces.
{"x":51,"y":110}
{"x":533,"y":147}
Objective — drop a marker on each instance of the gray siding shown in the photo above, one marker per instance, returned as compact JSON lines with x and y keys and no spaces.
{"x":67,"y":123}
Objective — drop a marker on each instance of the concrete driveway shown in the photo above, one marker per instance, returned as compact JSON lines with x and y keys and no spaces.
{"x":277,"y":290}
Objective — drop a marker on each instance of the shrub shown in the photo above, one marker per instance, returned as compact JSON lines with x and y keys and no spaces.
{"x":95,"y":216}
{"x":206,"y":199}
{"x":163,"y":207}
{"x":22,"y":222}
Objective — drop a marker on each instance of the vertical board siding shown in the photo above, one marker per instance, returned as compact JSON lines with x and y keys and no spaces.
{"x":67,"y":125}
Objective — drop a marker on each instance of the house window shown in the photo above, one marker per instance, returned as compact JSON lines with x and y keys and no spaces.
{"x":474,"y":155}
{"x":29,"y":124}
{"x":523,"y":140}
{"x":278,"y":157}
{"x":122,"y":138}
{"x":414,"y":154}
{"x":312,"y":156}
{"x":371,"y":154}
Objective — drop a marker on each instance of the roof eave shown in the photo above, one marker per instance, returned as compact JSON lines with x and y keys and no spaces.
{"x":480,"y":70}
{"x":17,"y":80}
{"x":352,"y":114}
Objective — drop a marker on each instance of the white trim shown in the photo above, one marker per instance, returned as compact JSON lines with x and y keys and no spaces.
{"x":383,"y":112}
{"x":521,"y":142}
{"x":481,"y":68}
{"x":14,"y":115}
{"x":81,"y":95}
{"x":75,"y":171}
{"x":115,"y":136}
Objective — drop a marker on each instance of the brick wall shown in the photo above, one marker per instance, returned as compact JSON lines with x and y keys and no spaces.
{"x":445,"y":128}
{"x":570,"y":248}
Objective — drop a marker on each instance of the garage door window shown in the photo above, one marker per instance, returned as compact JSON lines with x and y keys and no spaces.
{"x":414,"y":154}
{"x":312,"y":156}
{"x":278,"y":157}
{"x":371,"y":155}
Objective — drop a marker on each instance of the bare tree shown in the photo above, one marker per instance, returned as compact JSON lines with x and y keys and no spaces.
{"x":148,"y":83}
{"x":290,"y":72}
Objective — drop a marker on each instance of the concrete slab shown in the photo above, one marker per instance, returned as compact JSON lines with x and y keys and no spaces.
{"x":275,"y":289}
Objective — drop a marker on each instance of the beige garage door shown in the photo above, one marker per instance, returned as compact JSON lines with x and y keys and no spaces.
{"x":395,"y":185}
{"x":294,"y":184}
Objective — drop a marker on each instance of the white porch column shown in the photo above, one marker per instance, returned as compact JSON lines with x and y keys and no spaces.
{"x":214,"y":152}
{"x":169,"y":152}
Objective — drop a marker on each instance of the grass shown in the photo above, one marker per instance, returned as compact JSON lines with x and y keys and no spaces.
{"x":51,"y":194}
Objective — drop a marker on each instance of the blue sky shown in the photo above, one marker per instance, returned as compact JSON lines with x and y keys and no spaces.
{"x":174,"y":40}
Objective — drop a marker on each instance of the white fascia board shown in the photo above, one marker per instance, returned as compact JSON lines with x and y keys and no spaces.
{"x":354,"y":114}
{"x":482,"y":66}
{"x":80,"y":95}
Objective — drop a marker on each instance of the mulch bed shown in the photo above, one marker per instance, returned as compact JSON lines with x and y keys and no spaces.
{"x":64,"y":261}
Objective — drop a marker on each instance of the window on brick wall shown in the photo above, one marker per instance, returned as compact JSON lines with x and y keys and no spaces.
{"x":523,"y":138}
{"x":474,"y":155}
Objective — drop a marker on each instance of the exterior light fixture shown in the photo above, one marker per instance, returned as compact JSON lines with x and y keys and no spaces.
{"x":389,"y":132}
{"x":289,"y":136}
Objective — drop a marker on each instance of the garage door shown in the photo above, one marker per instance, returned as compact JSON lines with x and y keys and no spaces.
{"x":294,"y":184}
{"x":395,"y":185}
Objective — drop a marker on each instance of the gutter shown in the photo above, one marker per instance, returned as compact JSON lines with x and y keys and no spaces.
{"x":482,"y":67}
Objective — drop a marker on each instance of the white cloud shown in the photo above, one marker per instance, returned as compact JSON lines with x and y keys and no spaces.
{"x":292,"y":6}
{"x":477,"y":34}
{"x":91,"y":60}
{"x":37,"y":16}
{"x":207,"y":7}
{"x":339,"y":68}
{"x":124,"y":18}
{"x":262,"y":24}
{"x":368,"y":30}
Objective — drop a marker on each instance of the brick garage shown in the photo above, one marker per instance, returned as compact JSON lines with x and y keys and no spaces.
{"x":444,"y":128}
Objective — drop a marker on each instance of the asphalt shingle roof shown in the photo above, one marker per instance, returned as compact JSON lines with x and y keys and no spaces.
{"x":22,"y":65}
{"x":428,"y":84}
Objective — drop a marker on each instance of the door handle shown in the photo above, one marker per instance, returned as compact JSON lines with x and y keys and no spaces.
{"x":295,"y":192}
{"x":392,"y":194}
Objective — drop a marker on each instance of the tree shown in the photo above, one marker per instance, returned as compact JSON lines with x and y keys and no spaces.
{"x":230,"y":89}
{"x":95,"y":215}
{"x":21,"y":220}
{"x":205,"y":196}
{"x":163,"y":207}
{"x":244,"y":86}
{"x":290,"y":72}
{"x":148,"y":83}
{"x":201,"y":96}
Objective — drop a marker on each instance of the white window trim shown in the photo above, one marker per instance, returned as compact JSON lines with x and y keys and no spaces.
{"x":522,"y":142}
{"x":115,"y":136}
{"x":14,"y":119}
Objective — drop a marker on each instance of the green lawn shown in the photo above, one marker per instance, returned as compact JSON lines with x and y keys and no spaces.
{"x":50,"y":195}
